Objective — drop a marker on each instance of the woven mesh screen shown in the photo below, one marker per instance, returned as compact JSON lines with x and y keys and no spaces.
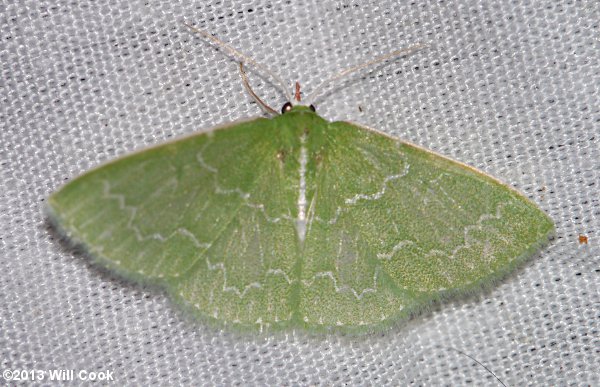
{"x":511,"y":88}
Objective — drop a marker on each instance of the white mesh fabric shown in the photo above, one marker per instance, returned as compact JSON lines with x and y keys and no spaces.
{"x":508,"y":87}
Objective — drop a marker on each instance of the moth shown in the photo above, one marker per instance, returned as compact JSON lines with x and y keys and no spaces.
{"x":295,"y":221}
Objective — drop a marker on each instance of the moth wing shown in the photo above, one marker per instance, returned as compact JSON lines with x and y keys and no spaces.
{"x":393,"y":226}
{"x":190,"y":215}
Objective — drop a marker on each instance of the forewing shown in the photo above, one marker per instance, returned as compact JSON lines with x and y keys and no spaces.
{"x":393,"y":227}
{"x":203,"y":216}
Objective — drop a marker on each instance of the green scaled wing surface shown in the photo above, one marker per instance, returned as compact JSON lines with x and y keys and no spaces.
{"x":296,"y":221}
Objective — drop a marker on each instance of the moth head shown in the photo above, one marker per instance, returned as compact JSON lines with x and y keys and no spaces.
{"x":288,"y":106}
{"x":297,"y":97}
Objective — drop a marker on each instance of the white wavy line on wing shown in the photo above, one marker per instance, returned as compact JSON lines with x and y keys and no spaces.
{"x":120,"y":198}
{"x":367,"y":197}
{"x":343,"y":288}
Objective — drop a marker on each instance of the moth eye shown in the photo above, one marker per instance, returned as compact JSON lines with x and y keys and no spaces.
{"x":312,"y":107}
{"x":286,"y":107}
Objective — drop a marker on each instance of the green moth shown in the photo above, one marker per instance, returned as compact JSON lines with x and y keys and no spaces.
{"x":295,"y":221}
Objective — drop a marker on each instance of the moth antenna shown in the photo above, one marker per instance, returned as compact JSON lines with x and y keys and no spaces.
{"x":260,"y":102}
{"x":240,"y":56}
{"x":405,"y":51}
